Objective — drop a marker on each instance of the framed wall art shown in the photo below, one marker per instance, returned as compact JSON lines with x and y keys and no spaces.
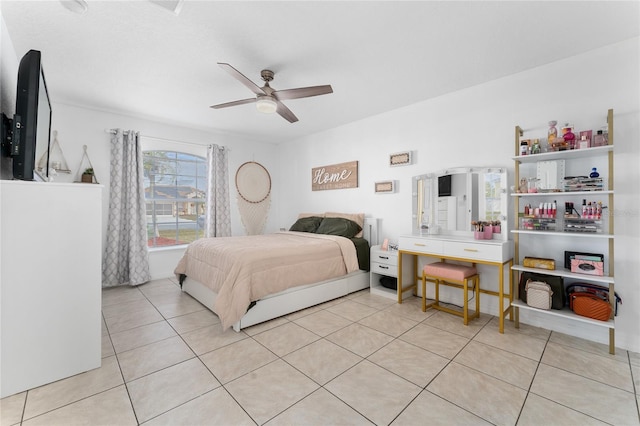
{"x":401,"y":159}
{"x":385,"y":187}
{"x":335,"y":176}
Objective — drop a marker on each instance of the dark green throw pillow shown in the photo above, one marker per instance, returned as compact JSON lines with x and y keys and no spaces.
{"x":306,"y":224}
{"x":338,"y":226}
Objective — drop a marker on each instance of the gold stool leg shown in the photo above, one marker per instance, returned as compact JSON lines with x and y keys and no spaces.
{"x":424,"y":293}
{"x":477,"y":282}
{"x":465,"y":309}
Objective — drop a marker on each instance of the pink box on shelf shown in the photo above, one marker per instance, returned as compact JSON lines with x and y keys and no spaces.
{"x":589,"y":267}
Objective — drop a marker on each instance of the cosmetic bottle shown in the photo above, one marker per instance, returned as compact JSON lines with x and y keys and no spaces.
{"x":594,"y":173}
{"x":601,"y":138}
{"x":584,"y":208}
{"x":554,"y":208}
{"x":583,"y":142}
{"x":569,"y":136}
{"x":553,"y":132}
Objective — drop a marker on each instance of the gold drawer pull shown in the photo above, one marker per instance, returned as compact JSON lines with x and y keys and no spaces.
{"x":419,"y":245}
{"x":473,"y":250}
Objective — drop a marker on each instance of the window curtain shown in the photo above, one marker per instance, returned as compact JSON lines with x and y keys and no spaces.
{"x":218,"y":204}
{"x":126,"y":257}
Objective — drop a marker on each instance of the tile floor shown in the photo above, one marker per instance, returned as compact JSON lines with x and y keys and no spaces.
{"x":361,"y":359}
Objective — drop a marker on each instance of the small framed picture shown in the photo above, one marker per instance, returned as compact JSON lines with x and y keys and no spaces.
{"x":400,"y":159}
{"x":385,"y":187}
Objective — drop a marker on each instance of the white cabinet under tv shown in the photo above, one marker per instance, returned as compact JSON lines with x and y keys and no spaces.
{"x":50,"y":282}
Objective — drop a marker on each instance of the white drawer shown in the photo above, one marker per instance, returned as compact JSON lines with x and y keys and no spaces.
{"x":384,"y":269}
{"x":421,"y":245}
{"x":479,"y":251}
{"x":384,"y":257}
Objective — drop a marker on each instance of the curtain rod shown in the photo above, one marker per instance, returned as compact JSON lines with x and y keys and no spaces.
{"x":113,"y":132}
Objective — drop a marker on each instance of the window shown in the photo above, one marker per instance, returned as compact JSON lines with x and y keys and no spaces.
{"x":175,"y":192}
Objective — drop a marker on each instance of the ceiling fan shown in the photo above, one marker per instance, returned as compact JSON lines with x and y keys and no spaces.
{"x":267,"y":99}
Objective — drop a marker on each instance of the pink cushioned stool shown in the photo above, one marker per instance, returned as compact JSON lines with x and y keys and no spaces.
{"x":459,"y":276}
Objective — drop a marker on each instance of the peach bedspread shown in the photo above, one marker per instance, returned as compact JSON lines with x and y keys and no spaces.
{"x":247,"y":268}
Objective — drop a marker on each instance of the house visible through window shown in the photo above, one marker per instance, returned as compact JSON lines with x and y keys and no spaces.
{"x":175,"y":192}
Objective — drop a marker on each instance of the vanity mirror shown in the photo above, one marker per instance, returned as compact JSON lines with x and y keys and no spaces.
{"x":447,"y":201}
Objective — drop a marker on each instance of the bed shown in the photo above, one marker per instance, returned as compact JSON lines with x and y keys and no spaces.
{"x":251,"y":279}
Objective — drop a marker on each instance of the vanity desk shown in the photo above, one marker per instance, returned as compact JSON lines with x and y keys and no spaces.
{"x":471,"y":195}
{"x":494,"y":252}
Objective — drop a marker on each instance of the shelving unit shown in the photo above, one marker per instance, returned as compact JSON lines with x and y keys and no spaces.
{"x":605,"y":237}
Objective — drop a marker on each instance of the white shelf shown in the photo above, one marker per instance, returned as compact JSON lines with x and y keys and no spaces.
{"x":577,"y":240}
{"x":565,"y":313}
{"x":560,"y":193}
{"x":565,"y":234}
{"x":566,"y":274}
{"x":567,"y":154}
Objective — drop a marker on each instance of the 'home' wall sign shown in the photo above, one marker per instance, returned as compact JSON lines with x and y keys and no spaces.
{"x":336,"y":176}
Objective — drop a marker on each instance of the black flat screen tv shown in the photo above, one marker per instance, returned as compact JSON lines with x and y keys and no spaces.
{"x":32,"y":120}
{"x":444,"y":186}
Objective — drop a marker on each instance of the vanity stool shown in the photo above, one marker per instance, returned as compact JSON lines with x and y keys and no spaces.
{"x":454,"y":275}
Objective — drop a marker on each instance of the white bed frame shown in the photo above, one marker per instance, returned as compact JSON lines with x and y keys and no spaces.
{"x":295,"y":298}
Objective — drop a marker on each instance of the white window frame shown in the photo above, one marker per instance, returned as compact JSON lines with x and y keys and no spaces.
{"x":153,"y":144}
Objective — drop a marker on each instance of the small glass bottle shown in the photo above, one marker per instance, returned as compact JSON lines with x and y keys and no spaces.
{"x":601,"y":138}
{"x":569,"y":136}
{"x":535,"y":148}
{"x":594,"y":173}
{"x":524,"y":147}
{"x":553,"y":132}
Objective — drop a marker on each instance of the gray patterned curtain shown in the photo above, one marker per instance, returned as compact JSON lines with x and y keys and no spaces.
{"x":218,"y":214}
{"x":126,"y":257}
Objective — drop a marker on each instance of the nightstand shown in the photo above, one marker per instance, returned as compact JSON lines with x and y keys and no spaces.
{"x":383,"y":263}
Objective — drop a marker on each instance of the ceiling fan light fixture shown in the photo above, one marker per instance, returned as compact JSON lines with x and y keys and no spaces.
{"x":266,"y":104}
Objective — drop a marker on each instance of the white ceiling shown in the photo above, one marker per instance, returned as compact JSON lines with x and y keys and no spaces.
{"x":136,"y":58}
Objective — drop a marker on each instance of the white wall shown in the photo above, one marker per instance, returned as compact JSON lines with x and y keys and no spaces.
{"x":81,"y":126}
{"x":8,"y":79}
{"x":475,"y":127}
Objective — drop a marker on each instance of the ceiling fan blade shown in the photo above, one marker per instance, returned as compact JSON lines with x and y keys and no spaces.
{"x":302,"y":92}
{"x":234,"y":103}
{"x":286,"y":113}
{"x":242,"y":79}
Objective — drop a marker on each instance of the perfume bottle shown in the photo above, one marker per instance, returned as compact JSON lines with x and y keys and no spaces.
{"x":535,"y":148}
{"x":569,"y":136}
{"x":594,"y":173}
{"x":553,"y":132}
{"x":601,"y":139}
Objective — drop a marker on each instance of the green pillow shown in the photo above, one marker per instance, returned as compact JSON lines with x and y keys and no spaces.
{"x":338,"y":226}
{"x":306,"y":224}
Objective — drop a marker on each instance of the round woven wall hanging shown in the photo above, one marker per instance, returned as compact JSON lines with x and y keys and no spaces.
{"x":253,"y":184}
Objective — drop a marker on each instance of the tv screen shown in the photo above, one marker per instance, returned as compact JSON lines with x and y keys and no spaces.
{"x":444,"y":186}
{"x":32,"y":120}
